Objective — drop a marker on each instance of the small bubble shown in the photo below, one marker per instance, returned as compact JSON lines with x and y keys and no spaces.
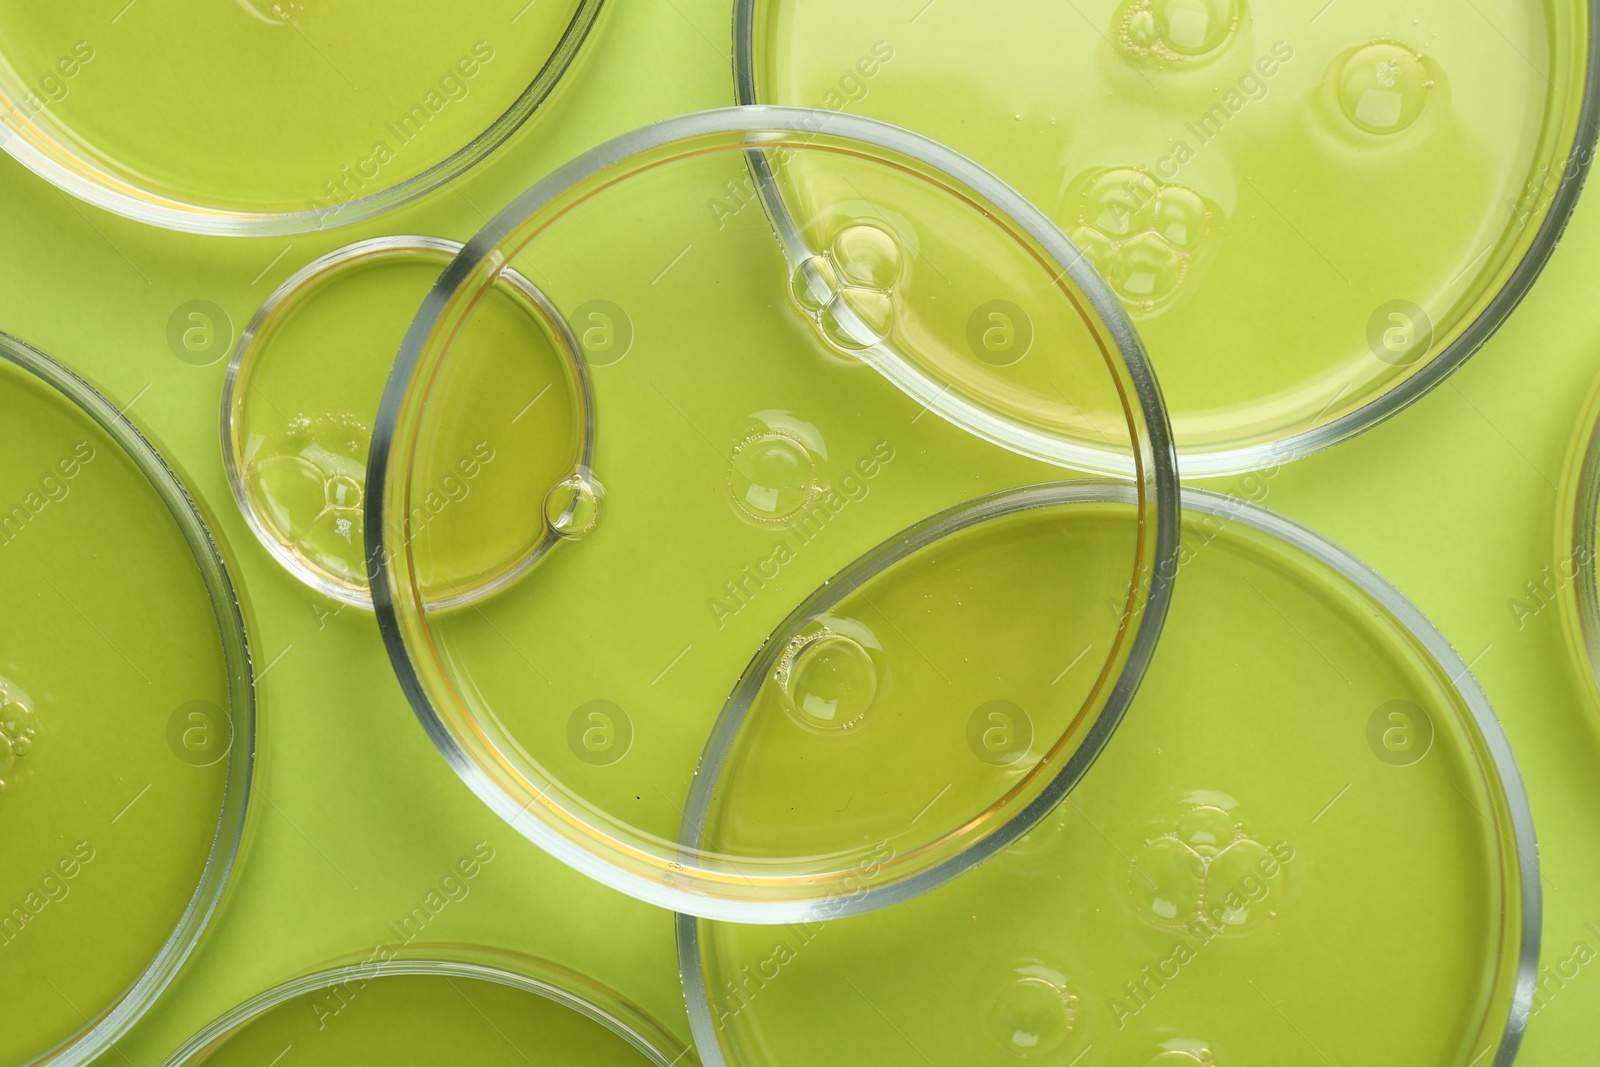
{"x":857,"y":319}
{"x":772,"y":476}
{"x":1236,"y":882}
{"x":1382,"y":87}
{"x":1194,"y":27}
{"x":1181,"y":218}
{"x":814,"y":283}
{"x":1167,"y":881}
{"x":572,"y":507}
{"x":1206,"y":829}
{"x":868,"y":256}
{"x":1033,"y":1014}
{"x":1148,"y":270}
{"x":829,"y":680}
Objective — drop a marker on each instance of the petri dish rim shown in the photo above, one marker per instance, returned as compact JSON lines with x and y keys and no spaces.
{"x":89,"y":184}
{"x":675,"y":881}
{"x":303,"y":283}
{"x":1578,"y":512}
{"x":112,"y":1023}
{"x":1296,"y":445}
{"x":1524,"y":844}
{"x":525,"y":973}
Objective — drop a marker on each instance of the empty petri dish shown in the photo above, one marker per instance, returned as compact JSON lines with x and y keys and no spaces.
{"x":1307,"y":843}
{"x":302,"y":393}
{"x":1572,"y":578}
{"x":127,"y":727}
{"x":272,"y":116}
{"x":1312,"y":215}
{"x":437,"y":1005}
{"x":751,"y":542}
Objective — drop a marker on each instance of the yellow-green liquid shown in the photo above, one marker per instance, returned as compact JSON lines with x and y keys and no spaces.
{"x":271,"y":105}
{"x":422,"y":1020}
{"x":1253,"y":872}
{"x":108,"y":643}
{"x":1262,"y":184}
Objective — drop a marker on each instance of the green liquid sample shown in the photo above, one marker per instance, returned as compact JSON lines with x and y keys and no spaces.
{"x":747,"y":450}
{"x":1264,"y":190}
{"x":306,"y":393}
{"x":422,"y":1020}
{"x":1290,"y":847}
{"x":115,"y":718}
{"x":270,"y":105}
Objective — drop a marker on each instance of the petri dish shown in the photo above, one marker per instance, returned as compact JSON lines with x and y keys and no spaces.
{"x":127,"y":723}
{"x":757,"y":457}
{"x":1572,"y":578}
{"x":1312,"y":216}
{"x":437,"y":1005}
{"x":284,"y":116}
{"x":302,"y":393}
{"x":1307,"y":843}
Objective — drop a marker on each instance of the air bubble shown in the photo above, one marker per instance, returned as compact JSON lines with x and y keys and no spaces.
{"x":1207,"y":830}
{"x":1168,"y":881}
{"x":1382,"y":87}
{"x":309,"y":485}
{"x":772,"y":476}
{"x":1033,"y":1015}
{"x":1194,"y":27}
{"x":18,"y":725}
{"x":1237,"y":883}
{"x":868,"y":256}
{"x":828,"y":680}
{"x":1118,"y":202}
{"x":572,"y":507}
{"x":1181,"y":218}
{"x":1148,"y":269}
{"x":857,"y":319}
{"x":847,"y":292}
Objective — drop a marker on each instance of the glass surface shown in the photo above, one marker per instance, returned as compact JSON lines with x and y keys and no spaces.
{"x":126,"y":718}
{"x":1307,"y":843}
{"x":1572,"y":578}
{"x":1312,"y":214}
{"x":302,"y":394}
{"x":271,"y":116}
{"x":774,"y":427}
{"x":437,"y":1006}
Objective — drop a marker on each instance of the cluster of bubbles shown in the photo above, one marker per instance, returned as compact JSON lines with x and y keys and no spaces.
{"x":1143,"y":235}
{"x":848,"y":290}
{"x":1192,"y":876}
{"x":18,"y":726}
{"x":309,"y":480}
{"x":1175,"y":31}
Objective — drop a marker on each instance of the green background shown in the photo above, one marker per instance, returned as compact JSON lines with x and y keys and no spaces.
{"x":355,"y":815}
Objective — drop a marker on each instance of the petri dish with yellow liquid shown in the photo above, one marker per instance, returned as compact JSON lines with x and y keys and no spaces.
{"x":272,"y":116}
{"x":1571,"y":579}
{"x":1307,"y":843}
{"x":1312,"y":212}
{"x":806,"y":510}
{"x":428,"y":1005}
{"x":302,"y":394}
{"x":127,"y":720}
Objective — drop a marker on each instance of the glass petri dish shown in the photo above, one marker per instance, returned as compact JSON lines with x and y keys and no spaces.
{"x":1308,"y":842}
{"x":282,"y":116}
{"x":1572,"y":578}
{"x":437,"y":1005}
{"x":296,"y":424}
{"x":754,"y":459}
{"x":1312,"y":216}
{"x":127,"y":723}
